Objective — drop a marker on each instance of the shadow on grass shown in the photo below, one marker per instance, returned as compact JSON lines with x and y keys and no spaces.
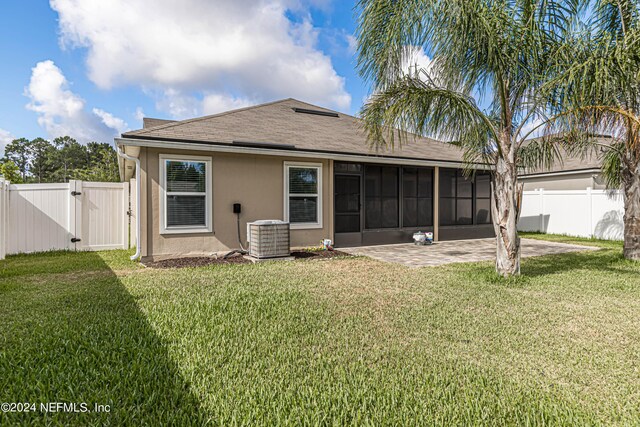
{"x":603,"y":260}
{"x":75,"y":335}
{"x":607,"y":258}
{"x":562,"y":238}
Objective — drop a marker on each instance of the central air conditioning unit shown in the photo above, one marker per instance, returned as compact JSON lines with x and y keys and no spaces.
{"x":268,"y":238}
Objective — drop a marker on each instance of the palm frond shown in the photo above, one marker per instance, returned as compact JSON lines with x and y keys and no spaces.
{"x":539,"y":154}
{"x":503,"y":49}
{"x":413,"y":106}
{"x":614,"y":17}
{"x":612,"y":165}
{"x":387,"y":30}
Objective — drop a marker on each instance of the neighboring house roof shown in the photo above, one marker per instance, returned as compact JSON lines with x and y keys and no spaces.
{"x":573,"y":163}
{"x":288,"y":125}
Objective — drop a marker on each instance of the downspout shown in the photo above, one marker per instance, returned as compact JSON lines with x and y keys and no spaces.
{"x":137,"y":162}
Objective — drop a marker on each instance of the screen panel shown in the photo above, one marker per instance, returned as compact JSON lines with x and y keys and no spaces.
{"x":382,"y":205}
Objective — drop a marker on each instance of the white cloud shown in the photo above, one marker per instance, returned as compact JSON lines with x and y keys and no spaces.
{"x":5,"y":138}
{"x":185,"y":52}
{"x":217,"y":103}
{"x":62,"y":112}
{"x":352,"y":44}
{"x":178,"y":104}
{"x":111,"y":121}
{"x":139,"y":114}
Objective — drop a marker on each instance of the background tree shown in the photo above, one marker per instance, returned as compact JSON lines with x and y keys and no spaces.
{"x":598,"y":88}
{"x":39,"y":160}
{"x":496,"y":50}
{"x":102,"y":164}
{"x":41,"y":157}
{"x":18,"y":152}
{"x":71,"y":156}
{"x":10,"y":171}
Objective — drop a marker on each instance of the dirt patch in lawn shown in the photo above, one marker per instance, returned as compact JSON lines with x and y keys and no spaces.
{"x":197,"y":262}
{"x":317,"y":254}
{"x":237,"y":259}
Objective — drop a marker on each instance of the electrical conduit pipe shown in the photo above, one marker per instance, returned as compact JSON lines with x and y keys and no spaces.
{"x":137,"y":162}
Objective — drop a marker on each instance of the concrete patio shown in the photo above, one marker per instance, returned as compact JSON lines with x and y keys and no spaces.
{"x":457,"y":251}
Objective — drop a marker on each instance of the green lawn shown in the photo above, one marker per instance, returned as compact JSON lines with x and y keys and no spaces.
{"x":340,"y":341}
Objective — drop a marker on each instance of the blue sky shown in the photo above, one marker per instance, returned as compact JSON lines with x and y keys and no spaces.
{"x":92,"y":69}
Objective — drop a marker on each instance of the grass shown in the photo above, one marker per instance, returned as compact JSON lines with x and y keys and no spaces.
{"x":340,"y":341}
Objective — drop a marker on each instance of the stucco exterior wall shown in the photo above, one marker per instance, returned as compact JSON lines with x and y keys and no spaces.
{"x":255,"y":181}
{"x":563,"y":182}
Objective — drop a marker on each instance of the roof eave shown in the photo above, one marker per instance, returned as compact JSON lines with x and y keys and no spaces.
{"x":317,"y":154}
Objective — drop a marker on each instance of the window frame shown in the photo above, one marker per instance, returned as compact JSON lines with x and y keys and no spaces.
{"x":287,"y":196}
{"x":208,"y":203}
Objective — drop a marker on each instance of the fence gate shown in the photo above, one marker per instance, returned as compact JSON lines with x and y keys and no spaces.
{"x":75,"y":216}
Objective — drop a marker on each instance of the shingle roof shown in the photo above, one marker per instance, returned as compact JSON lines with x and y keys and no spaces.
{"x":279,"y":123}
{"x":149,"y":122}
{"x":592,"y":160}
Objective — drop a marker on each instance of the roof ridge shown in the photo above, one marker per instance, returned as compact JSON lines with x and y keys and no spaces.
{"x":196,"y":119}
{"x":358,"y":120}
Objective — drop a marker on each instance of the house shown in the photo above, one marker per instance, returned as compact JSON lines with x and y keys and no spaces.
{"x":573,"y":172}
{"x":571,"y":198}
{"x":301,"y":163}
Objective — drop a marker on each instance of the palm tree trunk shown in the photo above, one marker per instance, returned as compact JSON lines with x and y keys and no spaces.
{"x":505,"y":190}
{"x":632,"y":213}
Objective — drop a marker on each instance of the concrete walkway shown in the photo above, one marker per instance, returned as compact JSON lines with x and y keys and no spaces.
{"x":457,"y":251}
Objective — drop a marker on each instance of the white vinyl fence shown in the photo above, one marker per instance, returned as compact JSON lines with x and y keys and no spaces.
{"x":75,"y":216}
{"x":584,"y":213}
{"x":4,"y":216}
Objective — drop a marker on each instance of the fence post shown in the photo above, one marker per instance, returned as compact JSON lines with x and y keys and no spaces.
{"x":125,"y":216}
{"x":590,"y":233}
{"x":541,"y":194}
{"x":4,"y":213}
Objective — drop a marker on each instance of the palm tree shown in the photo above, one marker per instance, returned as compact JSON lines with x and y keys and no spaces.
{"x":494,"y":50}
{"x":599,"y":91}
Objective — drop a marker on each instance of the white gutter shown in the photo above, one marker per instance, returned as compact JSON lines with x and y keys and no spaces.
{"x":137,"y":162}
{"x":560,"y":173}
{"x":229,"y":148}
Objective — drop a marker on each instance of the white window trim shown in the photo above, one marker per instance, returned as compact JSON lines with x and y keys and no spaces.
{"x":208,"y":228}
{"x":303,"y":225}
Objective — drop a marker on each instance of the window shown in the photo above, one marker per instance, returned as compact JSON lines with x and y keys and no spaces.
{"x":464,"y":201}
{"x":303,"y":194}
{"x":185,"y":199}
{"x":417,"y":197}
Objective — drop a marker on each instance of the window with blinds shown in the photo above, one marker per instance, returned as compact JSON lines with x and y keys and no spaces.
{"x":303,"y":195}
{"x":186,"y":197}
